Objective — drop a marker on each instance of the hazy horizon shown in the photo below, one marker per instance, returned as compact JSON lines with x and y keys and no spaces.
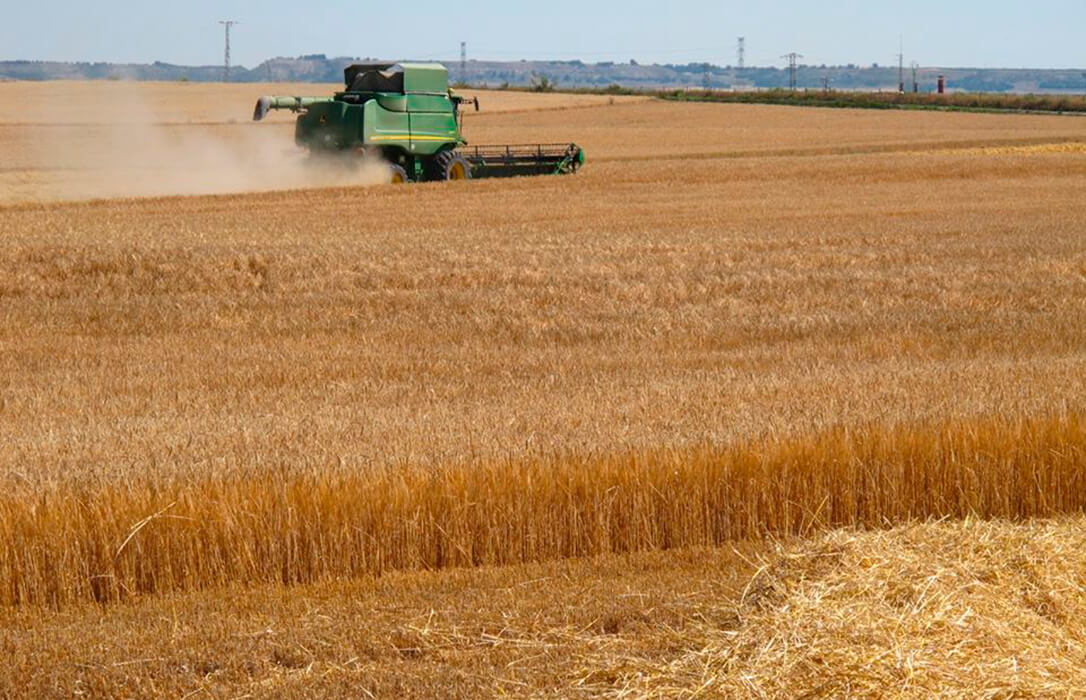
{"x":970,"y":34}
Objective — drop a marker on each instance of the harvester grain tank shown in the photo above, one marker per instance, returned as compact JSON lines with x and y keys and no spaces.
{"x":406,"y":114}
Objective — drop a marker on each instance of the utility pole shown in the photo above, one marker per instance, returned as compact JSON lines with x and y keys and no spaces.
{"x":742,"y":53}
{"x":226,"y":55}
{"x":464,"y":62}
{"x":901,"y":65}
{"x":792,"y":65}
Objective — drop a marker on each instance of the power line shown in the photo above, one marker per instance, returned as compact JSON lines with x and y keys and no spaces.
{"x":688,"y":51}
{"x":742,"y":53}
{"x":792,"y":65}
{"x":226,"y":55}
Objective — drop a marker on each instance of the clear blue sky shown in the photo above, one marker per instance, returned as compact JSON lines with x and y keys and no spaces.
{"x":983,"y":33}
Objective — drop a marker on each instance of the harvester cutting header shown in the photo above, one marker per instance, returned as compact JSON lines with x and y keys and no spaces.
{"x":406,"y":114}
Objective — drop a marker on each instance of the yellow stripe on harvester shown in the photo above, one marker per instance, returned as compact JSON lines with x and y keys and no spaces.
{"x":409,"y":137}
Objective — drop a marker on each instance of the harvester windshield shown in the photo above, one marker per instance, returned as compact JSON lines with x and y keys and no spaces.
{"x":374,"y":78}
{"x":402,"y":78}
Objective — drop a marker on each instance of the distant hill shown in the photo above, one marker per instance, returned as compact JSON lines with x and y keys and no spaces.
{"x":577,"y":74}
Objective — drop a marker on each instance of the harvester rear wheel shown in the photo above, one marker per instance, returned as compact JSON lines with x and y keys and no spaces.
{"x":449,"y":165}
{"x":399,"y":175}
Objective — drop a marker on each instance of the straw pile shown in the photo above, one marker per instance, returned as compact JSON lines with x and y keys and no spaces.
{"x":963,"y":609}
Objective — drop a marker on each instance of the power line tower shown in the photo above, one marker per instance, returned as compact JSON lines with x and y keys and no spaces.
{"x":464,"y":62}
{"x":901,"y":66}
{"x":792,"y":66}
{"x":706,"y":78}
{"x":742,"y":53}
{"x":916,"y":83}
{"x":226,"y":55}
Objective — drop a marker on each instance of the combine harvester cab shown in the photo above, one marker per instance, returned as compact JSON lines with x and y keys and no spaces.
{"x":406,"y":114}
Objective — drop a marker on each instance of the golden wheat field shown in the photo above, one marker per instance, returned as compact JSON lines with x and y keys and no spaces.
{"x":764,"y":402}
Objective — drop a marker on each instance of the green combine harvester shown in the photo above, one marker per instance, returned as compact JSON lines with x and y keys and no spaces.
{"x":406,"y":114}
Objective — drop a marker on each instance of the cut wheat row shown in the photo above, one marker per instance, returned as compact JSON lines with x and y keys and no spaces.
{"x":111,"y":542}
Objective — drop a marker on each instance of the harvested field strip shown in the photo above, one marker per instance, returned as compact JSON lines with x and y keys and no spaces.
{"x":959,"y":609}
{"x":1025,"y":146}
{"x":1009,"y":149}
{"x":110,"y":541}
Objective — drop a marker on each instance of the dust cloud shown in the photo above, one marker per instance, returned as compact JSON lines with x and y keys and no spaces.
{"x":135,"y":155}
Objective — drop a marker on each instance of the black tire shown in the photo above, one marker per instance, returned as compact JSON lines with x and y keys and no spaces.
{"x":398,"y":176}
{"x":448,"y":165}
